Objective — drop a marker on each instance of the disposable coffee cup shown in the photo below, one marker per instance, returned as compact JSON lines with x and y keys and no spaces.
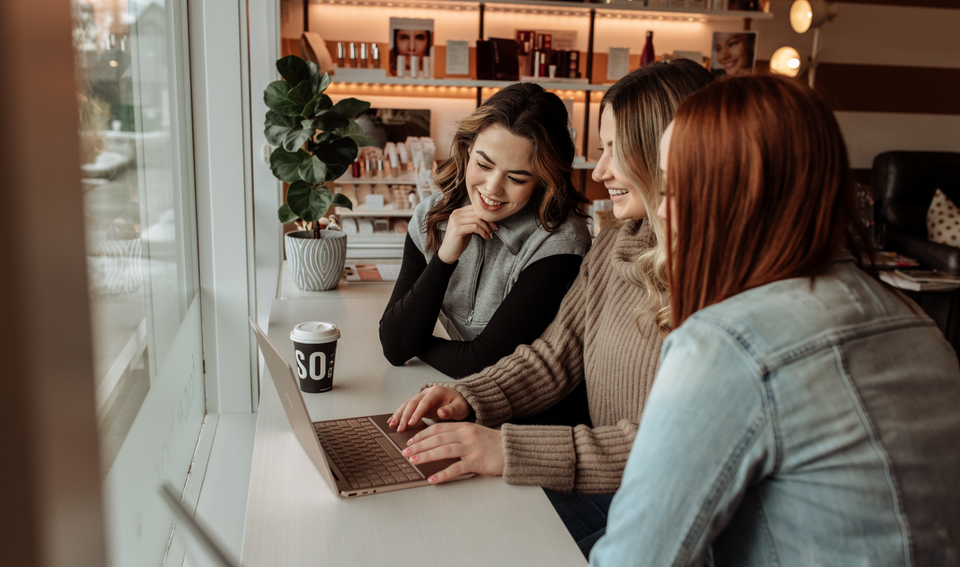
{"x":315,"y":347}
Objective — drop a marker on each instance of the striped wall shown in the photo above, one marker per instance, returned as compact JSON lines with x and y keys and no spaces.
{"x":889,"y":68}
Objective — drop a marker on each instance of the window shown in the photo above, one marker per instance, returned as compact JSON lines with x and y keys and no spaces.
{"x":140,"y":212}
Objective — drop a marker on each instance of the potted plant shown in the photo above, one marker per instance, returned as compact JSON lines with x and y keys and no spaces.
{"x":316,"y":143}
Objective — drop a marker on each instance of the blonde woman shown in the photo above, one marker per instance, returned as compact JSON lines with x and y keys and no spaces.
{"x":607,"y":334}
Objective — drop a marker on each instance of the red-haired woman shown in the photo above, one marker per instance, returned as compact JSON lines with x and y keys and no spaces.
{"x":804,"y":413}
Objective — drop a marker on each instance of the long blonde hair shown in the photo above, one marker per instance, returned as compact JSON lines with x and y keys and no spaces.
{"x":644,"y":103}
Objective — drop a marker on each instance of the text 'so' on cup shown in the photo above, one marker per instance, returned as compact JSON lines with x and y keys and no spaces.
{"x":315,"y":347}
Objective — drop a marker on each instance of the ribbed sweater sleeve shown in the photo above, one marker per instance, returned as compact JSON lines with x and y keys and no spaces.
{"x":538,"y":375}
{"x":594,"y":337}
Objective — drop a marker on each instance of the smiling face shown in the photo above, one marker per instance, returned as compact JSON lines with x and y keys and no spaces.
{"x":733,"y":52}
{"x":664,"y":150}
{"x":627,"y":202}
{"x":500,"y":179}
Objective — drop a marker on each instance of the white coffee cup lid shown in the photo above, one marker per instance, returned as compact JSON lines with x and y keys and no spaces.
{"x":314,"y":332}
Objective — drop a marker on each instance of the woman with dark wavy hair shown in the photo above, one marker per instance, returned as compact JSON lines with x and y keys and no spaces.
{"x":496,"y":251}
{"x":804,"y":413}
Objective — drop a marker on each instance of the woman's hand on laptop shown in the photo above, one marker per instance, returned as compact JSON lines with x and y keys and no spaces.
{"x":435,"y":402}
{"x":480,"y":449}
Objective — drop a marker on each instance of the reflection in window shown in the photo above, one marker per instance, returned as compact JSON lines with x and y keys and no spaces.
{"x":140,"y":253}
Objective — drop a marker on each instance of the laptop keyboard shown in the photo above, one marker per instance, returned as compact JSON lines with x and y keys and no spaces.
{"x":353,"y":445}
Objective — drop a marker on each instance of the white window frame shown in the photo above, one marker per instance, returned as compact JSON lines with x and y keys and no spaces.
{"x":238,"y":232}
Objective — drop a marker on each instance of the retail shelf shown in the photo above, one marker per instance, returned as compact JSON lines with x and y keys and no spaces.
{"x":405,"y":178}
{"x":380,"y":213}
{"x":624,"y":9}
{"x":547,"y":84}
{"x":547,"y":7}
{"x":362,"y":246}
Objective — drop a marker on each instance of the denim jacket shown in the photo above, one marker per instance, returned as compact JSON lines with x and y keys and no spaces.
{"x":801,"y":423}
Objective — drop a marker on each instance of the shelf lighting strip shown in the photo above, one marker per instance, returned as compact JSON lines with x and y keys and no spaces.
{"x":532,"y":11}
{"x":687,"y":19}
{"x":542,"y":12}
{"x":423,"y":5}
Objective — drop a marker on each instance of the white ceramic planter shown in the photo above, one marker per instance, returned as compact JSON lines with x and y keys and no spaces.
{"x":316,"y":263}
{"x":113,"y":263}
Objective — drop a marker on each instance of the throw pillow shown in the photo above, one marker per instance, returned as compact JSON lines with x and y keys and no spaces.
{"x":943,"y":221}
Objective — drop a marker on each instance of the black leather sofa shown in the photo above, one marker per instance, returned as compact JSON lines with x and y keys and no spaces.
{"x":907,"y":182}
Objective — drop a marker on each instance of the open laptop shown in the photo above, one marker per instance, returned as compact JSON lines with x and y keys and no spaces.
{"x":356,"y":456}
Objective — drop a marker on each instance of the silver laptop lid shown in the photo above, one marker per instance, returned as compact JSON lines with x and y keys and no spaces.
{"x":201,"y":535}
{"x":289,"y":390}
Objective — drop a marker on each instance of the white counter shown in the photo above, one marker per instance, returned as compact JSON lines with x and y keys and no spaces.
{"x":293,"y":518}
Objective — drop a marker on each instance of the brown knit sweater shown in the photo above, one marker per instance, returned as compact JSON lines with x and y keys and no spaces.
{"x":594,"y":337}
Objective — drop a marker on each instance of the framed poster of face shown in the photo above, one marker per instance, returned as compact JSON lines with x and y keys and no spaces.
{"x":409,"y":37}
{"x":733,"y":53}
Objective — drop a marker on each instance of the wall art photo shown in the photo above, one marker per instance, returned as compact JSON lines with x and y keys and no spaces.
{"x":733,"y":53}
{"x":409,"y":38}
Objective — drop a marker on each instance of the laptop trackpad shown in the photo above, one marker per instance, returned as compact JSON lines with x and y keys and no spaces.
{"x":400,"y":439}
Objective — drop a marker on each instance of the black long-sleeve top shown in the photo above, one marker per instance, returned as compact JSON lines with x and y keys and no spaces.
{"x":406,"y":328}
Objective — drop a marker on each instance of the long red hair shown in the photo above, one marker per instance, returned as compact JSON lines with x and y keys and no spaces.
{"x":759,"y":173}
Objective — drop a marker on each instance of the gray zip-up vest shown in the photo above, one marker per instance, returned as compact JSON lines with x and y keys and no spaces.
{"x":487,"y":269}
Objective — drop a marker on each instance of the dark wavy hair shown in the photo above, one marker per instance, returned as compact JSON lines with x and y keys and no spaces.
{"x":528,"y":111}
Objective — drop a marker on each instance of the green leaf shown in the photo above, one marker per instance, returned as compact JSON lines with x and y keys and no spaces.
{"x":285,"y":165}
{"x":341,"y":200}
{"x":277,"y":98}
{"x":339,"y":151}
{"x":308,"y":201}
{"x":363,"y":141}
{"x":354,"y":131}
{"x":336,"y":170}
{"x":298,"y":199}
{"x":327,"y":120}
{"x":275,"y":127}
{"x":316,"y":104}
{"x":293,"y":70}
{"x":297,"y":99}
{"x":320,"y":199}
{"x":312,"y":170}
{"x":285,"y":214}
{"x":295,"y":138}
{"x":314,"y":76}
{"x":324,"y":82}
{"x":350,"y":107}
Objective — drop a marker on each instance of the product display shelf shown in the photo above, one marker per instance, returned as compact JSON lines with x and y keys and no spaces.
{"x":391,"y":245}
{"x":627,"y":8}
{"x":676,"y":13}
{"x":344,"y":81}
{"x":365,"y":246}
{"x":378,"y":213}
{"x":405,"y":178}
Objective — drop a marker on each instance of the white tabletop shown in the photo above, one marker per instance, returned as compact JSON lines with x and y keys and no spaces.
{"x":294,"y":518}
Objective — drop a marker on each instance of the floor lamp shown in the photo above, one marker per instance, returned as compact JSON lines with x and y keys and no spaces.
{"x":807,"y":14}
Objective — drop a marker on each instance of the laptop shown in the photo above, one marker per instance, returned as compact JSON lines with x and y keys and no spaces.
{"x":358,"y":456}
